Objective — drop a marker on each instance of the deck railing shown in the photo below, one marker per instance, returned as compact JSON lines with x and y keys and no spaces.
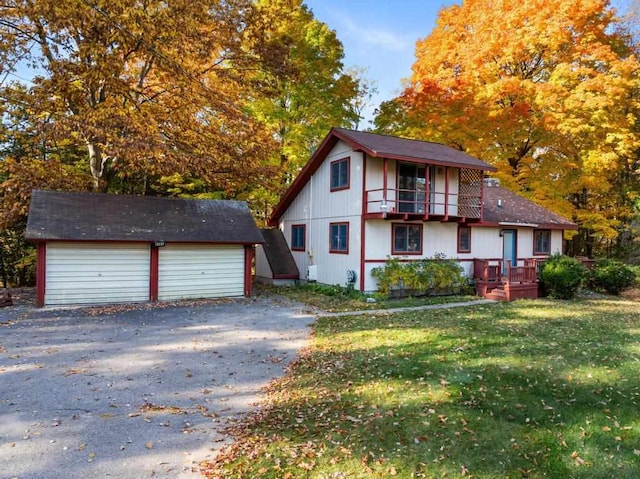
{"x":394,"y":201}
{"x":495,"y":271}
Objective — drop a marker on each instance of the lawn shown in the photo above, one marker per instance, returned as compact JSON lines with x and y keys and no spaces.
{"x":522,"y":390}
{"x":334,"y":298}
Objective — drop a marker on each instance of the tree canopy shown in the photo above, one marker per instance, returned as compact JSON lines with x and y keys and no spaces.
{"x":211,"y":98}
{"x":547,"y":91}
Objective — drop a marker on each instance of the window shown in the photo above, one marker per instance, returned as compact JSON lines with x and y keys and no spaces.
{"x":541,"y":242}
{"x":339,"y":238}
{"x":464,"y":239}
{"x":298,"y":237}
{"x":407,"y":239}
{"x":340,"y":174}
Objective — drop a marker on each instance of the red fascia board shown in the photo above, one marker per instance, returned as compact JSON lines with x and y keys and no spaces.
{"x":286,"y":276}
{"x":62,"y":240}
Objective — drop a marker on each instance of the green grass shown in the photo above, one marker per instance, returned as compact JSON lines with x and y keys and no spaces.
{"x":519,"y":390}
{"x":334,"y":298}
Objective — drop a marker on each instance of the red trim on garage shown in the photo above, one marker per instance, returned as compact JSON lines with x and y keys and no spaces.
{"x":248,"y":262}
{"x":41,"y":273}
{"x":154,"y":273}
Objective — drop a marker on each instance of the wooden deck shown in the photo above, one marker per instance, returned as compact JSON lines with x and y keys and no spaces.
{"x":496,"y":280}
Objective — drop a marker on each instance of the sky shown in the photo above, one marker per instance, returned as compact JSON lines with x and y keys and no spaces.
{"x":380,"y":36}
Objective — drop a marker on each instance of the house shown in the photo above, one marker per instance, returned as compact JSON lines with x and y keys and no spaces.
{"x":101,"y":248}
{"x":364,"y":197}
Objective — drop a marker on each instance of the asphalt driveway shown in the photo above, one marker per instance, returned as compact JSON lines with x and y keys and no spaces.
{"x":134,"y":393}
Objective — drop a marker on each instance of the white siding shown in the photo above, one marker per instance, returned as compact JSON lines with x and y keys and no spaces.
{"x":200,"y":271}
{"x":263,"y":270}
{"x":79,"y":273}
{"x":317,"y":201}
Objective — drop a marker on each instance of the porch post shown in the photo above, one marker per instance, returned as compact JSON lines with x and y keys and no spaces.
{"x":446,"y":192}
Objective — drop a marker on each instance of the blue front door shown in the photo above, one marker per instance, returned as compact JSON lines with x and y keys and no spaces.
{"x":509,"y":250}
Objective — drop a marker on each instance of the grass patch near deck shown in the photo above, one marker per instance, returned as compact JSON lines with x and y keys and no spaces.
{"x":526,"y":389}
{"x":335,"y":298}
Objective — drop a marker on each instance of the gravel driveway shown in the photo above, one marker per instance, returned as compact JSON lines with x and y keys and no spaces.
{"x":144,"y":392}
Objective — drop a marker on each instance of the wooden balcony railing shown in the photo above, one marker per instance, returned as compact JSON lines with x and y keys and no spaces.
{"x":394,"y":202}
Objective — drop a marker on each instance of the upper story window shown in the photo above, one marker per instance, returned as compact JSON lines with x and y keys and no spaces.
{"x":464,"y":239}
{"x":298,"y":237}
{"x":542,"y":242}
{"x":407,"y":239}
{"x":339,"y":238}
{"x":340,"y":174}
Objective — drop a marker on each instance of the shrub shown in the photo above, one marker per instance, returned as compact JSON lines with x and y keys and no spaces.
{"x":612,"y":276}
{"x":561,"y":276}
{"x":428,"y":276}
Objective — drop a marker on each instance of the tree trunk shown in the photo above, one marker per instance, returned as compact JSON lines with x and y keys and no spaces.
{"x":97,"y":164}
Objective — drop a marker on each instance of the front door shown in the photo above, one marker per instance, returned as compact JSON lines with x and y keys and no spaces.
{"x":509,"y":250}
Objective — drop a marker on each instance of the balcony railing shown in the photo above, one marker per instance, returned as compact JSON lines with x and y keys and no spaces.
{"x":394,"y":202}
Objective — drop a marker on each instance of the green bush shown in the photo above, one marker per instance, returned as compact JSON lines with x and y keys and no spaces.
{"x":612,"y":276}
{"x":436,"y":275}
{"x":561,"y":276}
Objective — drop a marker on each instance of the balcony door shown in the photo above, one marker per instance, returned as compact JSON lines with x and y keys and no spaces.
{"x":412,"y":189}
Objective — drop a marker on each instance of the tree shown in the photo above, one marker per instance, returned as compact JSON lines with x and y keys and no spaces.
{"x":546,"y":91}
{"x":309,"y":91}
{"x":144,"y":89}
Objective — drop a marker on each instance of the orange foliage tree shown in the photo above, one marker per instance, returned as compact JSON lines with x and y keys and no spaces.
{"x":144,"y":89}
{"x":545,"y":90}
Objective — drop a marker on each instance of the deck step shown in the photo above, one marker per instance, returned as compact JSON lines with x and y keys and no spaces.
{"x":497,"y":294}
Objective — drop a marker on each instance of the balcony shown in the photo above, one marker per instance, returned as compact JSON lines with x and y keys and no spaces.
{"x":412,"y":205}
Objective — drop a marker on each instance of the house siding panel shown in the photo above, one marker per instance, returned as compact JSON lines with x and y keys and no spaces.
{"x":81,"y":273}
{"x":317,"y":201}
{"x":263,"y":270}
{"x":200,"y":271}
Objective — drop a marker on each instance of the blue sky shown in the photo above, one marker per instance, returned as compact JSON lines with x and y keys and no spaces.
{"x":380,"y":35}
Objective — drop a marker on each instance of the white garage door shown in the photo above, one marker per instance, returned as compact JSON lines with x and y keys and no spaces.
{"x":80,"y":273}
{"x":200,"y":271}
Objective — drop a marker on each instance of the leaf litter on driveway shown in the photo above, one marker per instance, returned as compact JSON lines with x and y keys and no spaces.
{"x":132,"y":391}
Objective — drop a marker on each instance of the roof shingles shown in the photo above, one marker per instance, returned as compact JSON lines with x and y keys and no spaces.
{"x":104,"y":217}
{"x":504,"y":206}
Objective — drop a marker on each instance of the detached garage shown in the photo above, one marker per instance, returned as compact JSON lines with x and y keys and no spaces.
{"x":98,"y":248}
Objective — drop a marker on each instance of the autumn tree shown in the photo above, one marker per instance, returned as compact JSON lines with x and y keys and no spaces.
{"x":547,"y":91}
{"x":307,"y":89}
{"x":144,"y":89}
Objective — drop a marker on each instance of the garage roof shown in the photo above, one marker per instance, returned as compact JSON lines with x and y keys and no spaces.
{"x":55,"y":215}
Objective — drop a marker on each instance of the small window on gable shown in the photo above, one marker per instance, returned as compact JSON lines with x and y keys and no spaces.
{"x":339,"y":238}
{"x":407,"y":239}
{"x":542,"y":242}
{"x":340,"y":174}
{"x":298,"y":237}
{"x":464,"y":239}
